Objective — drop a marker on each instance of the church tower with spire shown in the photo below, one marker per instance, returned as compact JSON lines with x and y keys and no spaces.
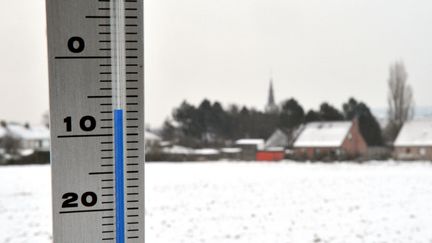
{"x":271,"y":106}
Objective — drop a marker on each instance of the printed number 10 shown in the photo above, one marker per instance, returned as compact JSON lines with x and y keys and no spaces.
{"x":86,"y":123}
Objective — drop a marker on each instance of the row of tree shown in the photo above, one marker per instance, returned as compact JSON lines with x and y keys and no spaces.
{"x":209,"y":124}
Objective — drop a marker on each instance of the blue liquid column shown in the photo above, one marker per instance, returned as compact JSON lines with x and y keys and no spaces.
{"x":119,"y":176}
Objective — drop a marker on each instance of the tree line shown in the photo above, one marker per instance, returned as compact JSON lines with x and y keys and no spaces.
{"x":210,"y":124}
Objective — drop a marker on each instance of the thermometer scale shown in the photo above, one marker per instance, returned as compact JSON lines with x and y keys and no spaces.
{"x":95,"y":50}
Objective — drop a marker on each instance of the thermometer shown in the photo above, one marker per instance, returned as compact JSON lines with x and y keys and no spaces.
{"x":95,"y":51}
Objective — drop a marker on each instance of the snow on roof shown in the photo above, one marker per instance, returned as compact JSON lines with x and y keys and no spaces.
{"x":415,"y":133}
{"x":26,"y":152}
{"x":250,"y":141}
{"x":231,"y":150}
{"x":149,"y":136}
{"x":323,"y":134}
{"x":165,"y":143}
{"x":206,"y":151}
{"x":40,"y":132}
{"x":30,"y":133}
{"x":177,"y":150}
{"x":259,"y":143}
{"x":17,"y":130}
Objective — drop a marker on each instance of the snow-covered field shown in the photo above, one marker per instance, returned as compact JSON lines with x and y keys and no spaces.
{"x":250,"y":202}
{"x":25,"y":204}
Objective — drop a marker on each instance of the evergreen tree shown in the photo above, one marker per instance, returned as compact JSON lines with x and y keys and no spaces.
{"x":330,"y":113}
{"x":291,"y":114}
{"x":368,"y":125}
{"x":312,"y":116}
{"x":244,"y":123}
{"x":261,"y":125}
{"x":186,"y":115}
{"x":205,"y":117}
{"x":219,"y":121}
{"x":233,"y":123}
{"x":350,"y":108}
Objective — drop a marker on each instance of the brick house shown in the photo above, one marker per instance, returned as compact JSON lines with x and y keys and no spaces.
{"x":414,"y":141}
{"x":330,"y":140}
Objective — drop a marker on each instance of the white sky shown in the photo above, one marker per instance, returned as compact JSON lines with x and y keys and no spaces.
{"x":224,"y":50}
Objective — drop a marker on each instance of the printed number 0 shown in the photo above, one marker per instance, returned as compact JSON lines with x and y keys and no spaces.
{"x":88,"y":123}
{"x":76,"y":44}
{"x":93,"y":199}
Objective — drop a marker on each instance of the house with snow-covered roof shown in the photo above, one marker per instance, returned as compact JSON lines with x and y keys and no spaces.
{"x":414,"y":141}
{"x":32,"y":137}
{"x":330,"y":139}
{"x":17,"y":140}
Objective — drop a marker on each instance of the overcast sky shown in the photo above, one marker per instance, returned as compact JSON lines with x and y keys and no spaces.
{"x":224,"y":50}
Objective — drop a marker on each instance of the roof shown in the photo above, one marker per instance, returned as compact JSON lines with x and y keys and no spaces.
{"x":415,"y":133}
{"x":149,"y":136}
{"x":231,"y":150}
{"x":30,"y":133}
{"x":323,"y":134}
{"x":40,"y":132}
{"x":177,"y":150}
{"x":277,"y":139}
{"x":206,"y":151}
{"x":250,"y":141}
{"x":257,"y":142}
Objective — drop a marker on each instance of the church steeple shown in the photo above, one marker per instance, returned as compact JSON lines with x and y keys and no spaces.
{"x":271,"y":95}
{"x":271,"y":106}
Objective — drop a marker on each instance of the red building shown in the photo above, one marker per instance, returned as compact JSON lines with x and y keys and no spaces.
{"x":269,"y":155}
{"x":333,"y":140}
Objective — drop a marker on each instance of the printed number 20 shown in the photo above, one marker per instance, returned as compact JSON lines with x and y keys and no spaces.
{"x":88,"y":199}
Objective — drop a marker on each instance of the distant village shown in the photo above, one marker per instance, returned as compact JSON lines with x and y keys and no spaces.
{"x":23,"y":143}
{"x":286,"y":132}
{"x":315,"y":141}
{"x":281,"y":131}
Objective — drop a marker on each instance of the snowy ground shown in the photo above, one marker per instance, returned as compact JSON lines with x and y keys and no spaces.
{"x":222,"y":202}
{"x":25,"y":204}
{"x":248,"y":203}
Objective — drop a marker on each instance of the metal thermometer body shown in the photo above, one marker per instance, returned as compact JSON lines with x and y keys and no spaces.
{"x":89,"y":134}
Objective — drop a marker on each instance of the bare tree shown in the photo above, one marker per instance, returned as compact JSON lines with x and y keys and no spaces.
{"x":400,"y":100}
